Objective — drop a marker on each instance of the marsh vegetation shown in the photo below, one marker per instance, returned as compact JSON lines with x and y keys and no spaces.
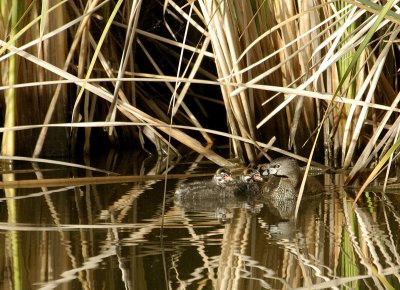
{"x":313,"y":80}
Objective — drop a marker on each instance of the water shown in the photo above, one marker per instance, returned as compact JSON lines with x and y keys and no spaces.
{"x":108,"y":236}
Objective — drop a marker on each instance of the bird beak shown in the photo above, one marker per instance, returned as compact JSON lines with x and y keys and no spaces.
{"x":270,"y":171}
{"x":228,"y":178}
{"x":257,"y":178}
{"x":265,"y":172}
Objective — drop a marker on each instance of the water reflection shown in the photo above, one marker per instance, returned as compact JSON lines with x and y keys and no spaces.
{"x":108,"y":236}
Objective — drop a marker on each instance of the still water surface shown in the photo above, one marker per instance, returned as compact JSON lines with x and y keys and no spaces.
{"x":115,"y":236}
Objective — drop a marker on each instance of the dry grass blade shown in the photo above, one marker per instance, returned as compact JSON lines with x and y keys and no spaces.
{"x":377,"y":168}
{"x":270,"y":70}
{"x":155,"y":125}
{"x":369,"y":150}
{"x":20,"y":32}
{"x":80,"y":181}
{"x":225,"y":41}
{"x":371,"y":81}
{"x":346,"y":74}
{"x":173,"y":43}
{"x":130,"y":111}
{"x":191,"y":76}
{"x":375,"y":9}
{"x":130,"y":34}
{"x":94,"y":58}
{"x":54,"y":162}
{"x":58,"y":91}
{"x":186,"y":109}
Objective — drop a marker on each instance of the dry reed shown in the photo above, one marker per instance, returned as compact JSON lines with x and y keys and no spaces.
{"x":280,"y":68}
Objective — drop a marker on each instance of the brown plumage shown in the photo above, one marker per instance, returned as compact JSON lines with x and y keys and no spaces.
{"x":248,"y":184}
{"x":281,"y":189}
{"x":284,"y":177}
{"x":220,"y":192}
{"x":213,"y":187}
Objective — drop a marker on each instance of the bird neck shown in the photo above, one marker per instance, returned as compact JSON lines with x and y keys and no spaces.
{"x":293,"y":179}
